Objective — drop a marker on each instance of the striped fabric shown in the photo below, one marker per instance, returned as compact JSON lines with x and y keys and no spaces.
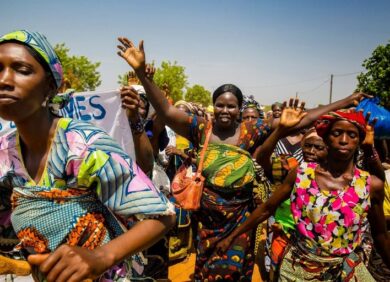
{"x":284,"y":147}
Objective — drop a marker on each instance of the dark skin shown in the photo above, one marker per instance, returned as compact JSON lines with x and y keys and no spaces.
{"x":335,"y":173}
{"x":142,"y":146}
{"x":276,"y":111}
{"x":23,"y":90}
{"x":314,"y":148}
{"x":225,"y":129}
{"x":290,"y":117}
{"x":24,"y":87}
{"x":250,"y":114}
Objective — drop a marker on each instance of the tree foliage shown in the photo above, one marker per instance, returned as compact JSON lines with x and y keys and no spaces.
{"x":122,"y":79}
{"x":171,"y":76}
{"x":376,"y":80}
{"x":79,"y":71}
{"x":198,"y":94}
{"x":128,"y":78}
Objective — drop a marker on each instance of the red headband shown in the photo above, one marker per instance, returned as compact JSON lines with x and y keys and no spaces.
{"x":324,"y":123}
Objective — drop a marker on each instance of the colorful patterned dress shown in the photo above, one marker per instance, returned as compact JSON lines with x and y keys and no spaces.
{"x":329,"y":228}
{"x":88,"y":183}
{"x":227,"y":201}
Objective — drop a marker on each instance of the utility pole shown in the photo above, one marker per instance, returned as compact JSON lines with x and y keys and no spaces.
{"x":296,"y":95}
{"x":331,"y":88}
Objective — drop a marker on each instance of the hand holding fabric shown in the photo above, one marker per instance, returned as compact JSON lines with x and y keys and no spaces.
{"x":130,"y":101}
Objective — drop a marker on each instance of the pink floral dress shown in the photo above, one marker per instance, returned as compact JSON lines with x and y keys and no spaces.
{"x":330,"y":221}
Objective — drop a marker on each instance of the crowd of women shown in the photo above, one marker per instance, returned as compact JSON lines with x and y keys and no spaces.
{"x":76,"y":207}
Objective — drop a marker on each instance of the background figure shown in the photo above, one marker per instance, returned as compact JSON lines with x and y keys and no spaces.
{"x":251,"y":109}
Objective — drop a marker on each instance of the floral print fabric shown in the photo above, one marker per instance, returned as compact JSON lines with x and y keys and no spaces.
{"x":333,"y":219}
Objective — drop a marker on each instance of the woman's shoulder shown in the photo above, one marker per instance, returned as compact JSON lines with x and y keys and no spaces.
{"x":81,"y":132}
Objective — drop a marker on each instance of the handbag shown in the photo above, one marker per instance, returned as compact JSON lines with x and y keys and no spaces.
{"x":187,"y":186}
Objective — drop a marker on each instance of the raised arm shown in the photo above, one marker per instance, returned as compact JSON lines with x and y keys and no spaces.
{"x":314,"y":114}
{"x":291,"y":116}
{"x":262,"y":212}
{"x":142,"y":146}
{"x":371,"y":161}
{"x":171,"y":116}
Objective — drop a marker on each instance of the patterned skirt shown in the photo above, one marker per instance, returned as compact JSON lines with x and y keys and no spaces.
{"x":299,"y":264}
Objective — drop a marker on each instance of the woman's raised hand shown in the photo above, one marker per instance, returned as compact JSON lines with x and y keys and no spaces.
{"x":292,"y":114}
{"x":134,"y":56}
{"x":355,"y":98}
{"x":370,"y":134}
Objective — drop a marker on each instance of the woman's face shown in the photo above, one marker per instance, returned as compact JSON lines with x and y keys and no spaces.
{"x":23,"y":83}
{"x":250,"y":114}
{"x":343,"y":140}
{"x":226,"y":110}
{"x":314,"y":149}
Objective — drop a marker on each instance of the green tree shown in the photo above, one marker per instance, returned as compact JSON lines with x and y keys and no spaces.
{"x":198,"y":94}
{"x":122,"y":79}
{"x":79,"y":71}
{"x":171,"y":77}
{"x":128,"y":78}
{"x":376,"y":80}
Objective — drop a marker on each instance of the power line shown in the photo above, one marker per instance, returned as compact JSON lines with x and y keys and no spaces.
{"x":315,"y":88}
{"x":347,"y":74}
{"x":303,"y":81}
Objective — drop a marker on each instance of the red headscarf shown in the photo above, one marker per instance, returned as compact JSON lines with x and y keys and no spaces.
{"x":324,"y":123}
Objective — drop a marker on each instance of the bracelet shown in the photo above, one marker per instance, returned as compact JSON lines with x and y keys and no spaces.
{"x":137,"y":127}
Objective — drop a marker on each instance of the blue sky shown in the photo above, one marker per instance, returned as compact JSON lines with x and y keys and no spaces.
{"x":270,"y":49}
